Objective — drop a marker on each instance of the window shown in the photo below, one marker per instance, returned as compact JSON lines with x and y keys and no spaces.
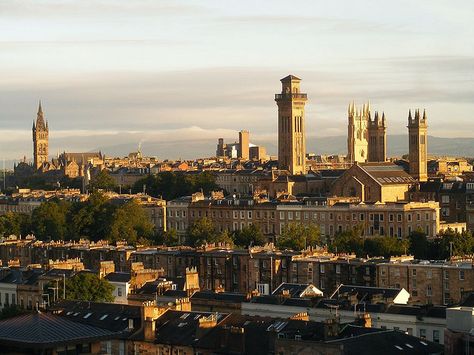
{"x":444,"y":198}
{"x":429,"y":290}
{"x":338,"y":269}
{"x":422,"y":333}
{"x":290,"y":215}
{"x":436,"y":336}
{"x":119,"y":292}
{"x":461,"y":275}
{"x":321,"y":268}
{"x":413,"y":272}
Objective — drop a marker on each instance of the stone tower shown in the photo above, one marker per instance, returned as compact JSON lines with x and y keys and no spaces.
{"x":40,"y":139}
{"x":291,"y":126}
{"x":377,"y":138}
{"x":357,"y":137}
{"x":418,"y":145}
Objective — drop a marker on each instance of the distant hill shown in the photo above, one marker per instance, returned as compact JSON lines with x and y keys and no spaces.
{"x":397,"y":145}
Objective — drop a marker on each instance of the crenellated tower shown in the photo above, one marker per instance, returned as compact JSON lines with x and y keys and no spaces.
{"x":418,"y":145}
{"x":40,"y":139}
{"x":291,"y":126}
{"x":377,"y":132}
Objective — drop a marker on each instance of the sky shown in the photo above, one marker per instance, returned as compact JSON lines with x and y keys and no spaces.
{"x":174,"y":72}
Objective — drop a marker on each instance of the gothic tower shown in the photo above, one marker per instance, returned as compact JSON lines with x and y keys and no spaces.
{"x":357,"y":140}
{"x":291,"y":126}
{"x":418,"y":145}
{"x":40,"y":139}
{"x":377,"y":138}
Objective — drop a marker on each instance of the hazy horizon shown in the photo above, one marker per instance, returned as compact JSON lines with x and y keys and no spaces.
{"x":171,"y":71}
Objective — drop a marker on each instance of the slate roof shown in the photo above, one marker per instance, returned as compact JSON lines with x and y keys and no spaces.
{"x":387,"y":173}
{"x":220,"y":296}
{"x":179,"y":328}
{"x":43,"y":330}
{"x":118,"y":277}
{"x":387,"y":343}
{"x":111,"y":316}
{"x":365,"y":293}
{"x":295,"y":290}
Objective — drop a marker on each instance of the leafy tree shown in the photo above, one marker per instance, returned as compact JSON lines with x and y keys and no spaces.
{"x":348,"y":242}
{"x":168,"y":238}
{"x":50,"y":220}
{"x":460,"y":243}
{"x":224,"y":237}
{"x":129,"y":222}
{"x":419,"y":245}
{"x":88,"y":287}
{"x":201,"y":232}
{"x":249,"y":236}
{"x":298,"y":236}
{"x":385,"y":246}
{"x":15,"y":223}
{"x":171,"y":185}
{"x":91,"y":217}
{"x":102,"y":181}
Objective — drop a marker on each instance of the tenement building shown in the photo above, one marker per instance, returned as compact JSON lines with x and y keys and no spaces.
{"x":429,"y":282}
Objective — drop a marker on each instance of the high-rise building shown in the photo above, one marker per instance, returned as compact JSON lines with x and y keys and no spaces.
{"x":244,"y":145}
{"x":291,"y":126}
{"x":418,"y":145}
{"x":377,"y":138}
{"x":40,"y":139}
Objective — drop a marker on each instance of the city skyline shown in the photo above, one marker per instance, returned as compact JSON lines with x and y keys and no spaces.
{"x":128,"y":73}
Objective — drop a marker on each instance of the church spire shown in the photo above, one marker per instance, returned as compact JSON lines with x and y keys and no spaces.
{"x":40,"y":109}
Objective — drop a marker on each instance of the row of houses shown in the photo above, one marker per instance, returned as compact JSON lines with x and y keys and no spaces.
{"x":260,"y":268}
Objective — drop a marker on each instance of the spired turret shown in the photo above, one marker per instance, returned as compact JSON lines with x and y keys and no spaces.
{"x":40,"y":132}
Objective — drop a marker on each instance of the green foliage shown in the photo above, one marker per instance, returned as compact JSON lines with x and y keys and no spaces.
{"x":249,"y":236}
{"x":96,"y":218}
{"x":171,"y":185}
{"x":102,"y":181}
{"x":419,"y":245}
{"x":49,"y":220}
{"x":348,"y":242}
{"x":15,"y":223}
{"x":168,"y":238}
{"x":89,"y":287}
{"x":298,"y":236}
{"x":352,"y":242}
{"x":129,"y":221}
{"x":203,"y":231}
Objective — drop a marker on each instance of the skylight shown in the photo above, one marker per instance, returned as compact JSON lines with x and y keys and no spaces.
{"x":87,"y":315}
{"x":398,"y":347}
{"x":103,"y":317}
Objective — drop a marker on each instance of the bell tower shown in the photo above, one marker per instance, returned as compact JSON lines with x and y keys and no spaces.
{"x":291,"y":126}
{"x":40,"y":139}
{"x":377,"y":138}
{"x":418,"y":145}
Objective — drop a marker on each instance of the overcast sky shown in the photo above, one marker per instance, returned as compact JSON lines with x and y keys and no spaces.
{"x":124,"y":71}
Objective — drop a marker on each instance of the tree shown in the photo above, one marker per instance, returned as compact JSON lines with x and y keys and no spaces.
{"x":50,"y":220}
{"x":249,"y":236}
{"x":201,"y":232}
{"x":168,"y":238}
{"x":385,"y":246}
{"x":88,"y":287}
{"x":129,"y":222}
{"x":419,"y":246}
{"x":15,"y":223}
{"x":348,"y":242}
{"x":298,"y":236}
{"x":102,"y":181}
{"x":90,"y":218}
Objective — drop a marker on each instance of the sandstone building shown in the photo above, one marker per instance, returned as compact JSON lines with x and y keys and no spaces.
{"x":418,"y":145}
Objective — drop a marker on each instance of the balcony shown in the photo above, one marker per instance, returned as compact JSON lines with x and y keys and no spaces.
{"x":289,"y":96}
